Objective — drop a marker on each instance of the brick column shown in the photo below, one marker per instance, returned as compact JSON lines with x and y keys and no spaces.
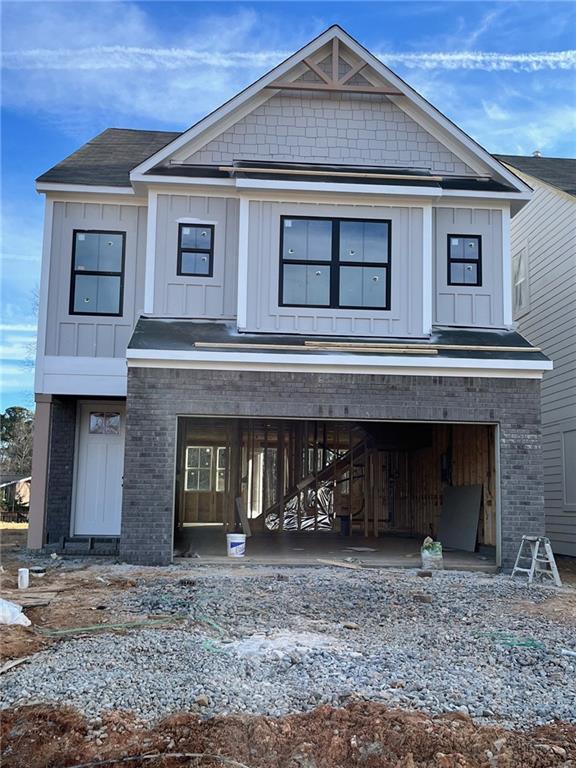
{"x":149,"y":475}
{"x":60,"y":468}
{"x":521,"y":487}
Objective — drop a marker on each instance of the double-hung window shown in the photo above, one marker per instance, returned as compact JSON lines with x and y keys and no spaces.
{"x":335,"y":263}
{"x":206,"y":468}
{"x":97,"y":272}
{"x":196,"y":250}
{"x":465,"y":260}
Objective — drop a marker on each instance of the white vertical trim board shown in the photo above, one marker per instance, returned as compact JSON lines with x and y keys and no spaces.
{"x":243,"y":229}
{"x":498,"y":499}
{"x":506,"y":268}
{"x":43,"y":298}
{"x":150,"y":252}
{"x":427,"y":259}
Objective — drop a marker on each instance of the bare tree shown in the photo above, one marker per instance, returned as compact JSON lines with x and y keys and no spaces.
{"x":16,"y":431}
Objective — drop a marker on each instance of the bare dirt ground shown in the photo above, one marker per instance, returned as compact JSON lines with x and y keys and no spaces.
{"x":363,"y":733}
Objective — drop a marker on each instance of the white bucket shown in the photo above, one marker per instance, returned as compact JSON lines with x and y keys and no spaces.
{"x":236,"y":544}
{"x":23,"y":578}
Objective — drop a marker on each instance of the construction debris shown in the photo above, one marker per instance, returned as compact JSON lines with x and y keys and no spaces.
{"x":11,"y":614}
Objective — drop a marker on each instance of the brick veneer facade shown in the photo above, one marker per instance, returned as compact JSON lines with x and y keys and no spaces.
{"x":156,"y":397}
{"x":60,"y":468}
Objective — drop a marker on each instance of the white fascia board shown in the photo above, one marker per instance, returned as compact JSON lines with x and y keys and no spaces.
{"x":346,"y":188}
{"x":338,"y":363}
{"x":43,"y":186}
{"x":94,"y":376}
{"x":389,"y":190}
{"x":150,"y":178}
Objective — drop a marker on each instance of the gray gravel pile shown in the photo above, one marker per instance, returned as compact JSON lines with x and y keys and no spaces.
{"x":272,"y":642}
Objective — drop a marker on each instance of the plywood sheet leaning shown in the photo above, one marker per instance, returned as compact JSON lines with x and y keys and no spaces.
{"x":458,"y":528}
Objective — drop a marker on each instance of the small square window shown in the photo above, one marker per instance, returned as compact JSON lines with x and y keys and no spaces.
{"x":465,"y":260}
{"x":104,"y":423}
{"x":195,"y":250}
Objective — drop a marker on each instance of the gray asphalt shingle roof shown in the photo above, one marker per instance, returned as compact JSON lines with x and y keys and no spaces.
{"x":560,"y":172}
{"x":107,"y":159}
{"x":177,"y":334}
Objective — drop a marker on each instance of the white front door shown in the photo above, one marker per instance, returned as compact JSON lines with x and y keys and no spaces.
{"x":99,"y":469}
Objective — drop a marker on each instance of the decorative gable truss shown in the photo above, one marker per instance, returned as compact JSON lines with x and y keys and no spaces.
{"x":333,"y":103}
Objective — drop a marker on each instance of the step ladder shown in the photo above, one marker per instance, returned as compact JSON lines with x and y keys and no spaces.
{"x":541,"y":559}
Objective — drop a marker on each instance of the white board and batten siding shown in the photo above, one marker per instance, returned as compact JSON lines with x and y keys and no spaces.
{"x":264,"y":313}
{"x":191,"y":296}
{"x":469,"y":306}
{"x":545,"y":230}
{"x":91,"y":335}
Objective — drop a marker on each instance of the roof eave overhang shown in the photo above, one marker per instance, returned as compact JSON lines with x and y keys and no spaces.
{"x":271,"y":186}
{"x":339,"y":363}
{"x":43,"y":187}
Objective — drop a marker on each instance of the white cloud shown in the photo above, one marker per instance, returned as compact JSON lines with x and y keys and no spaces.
{"x":99,"y":58}
{"x":484,"y":61}
{"x":495,"y":111}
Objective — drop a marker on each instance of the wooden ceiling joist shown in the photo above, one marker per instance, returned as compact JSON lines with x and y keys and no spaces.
{"x":334,"y":83}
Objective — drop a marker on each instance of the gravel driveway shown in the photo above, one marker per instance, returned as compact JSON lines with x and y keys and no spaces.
{"x":272,"y":641}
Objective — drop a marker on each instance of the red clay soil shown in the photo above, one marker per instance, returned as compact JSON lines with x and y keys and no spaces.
{"x":363,"y":734}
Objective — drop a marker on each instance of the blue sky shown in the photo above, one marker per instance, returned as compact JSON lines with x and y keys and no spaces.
{"x":504,"y":71}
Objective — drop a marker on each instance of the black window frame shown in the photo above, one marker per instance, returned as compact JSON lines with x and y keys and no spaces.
{"x":209,"y":251}
{"x":335,"y":263}
{"x":96,"y":273}
{"x":477,"y":262}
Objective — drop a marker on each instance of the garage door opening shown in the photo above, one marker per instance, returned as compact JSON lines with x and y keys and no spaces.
{"x":307,"y":486}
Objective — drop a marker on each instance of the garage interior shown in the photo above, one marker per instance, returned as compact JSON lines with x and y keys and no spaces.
{"x":318,"y":488}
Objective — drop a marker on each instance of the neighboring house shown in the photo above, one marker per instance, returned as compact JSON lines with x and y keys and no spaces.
{"x":298,"y":309}
{"x":14,"y":497}
{"x":543,"y":238}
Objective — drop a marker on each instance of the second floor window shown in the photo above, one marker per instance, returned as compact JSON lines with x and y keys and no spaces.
{"x":335,"y":263}
{"x":465,"y":260}
{"x":196,"y":250}
{"x":97,"y":272}
{"x":521,"y":297}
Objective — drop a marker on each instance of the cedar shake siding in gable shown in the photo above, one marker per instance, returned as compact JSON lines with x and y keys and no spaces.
{"x":347,"y":129}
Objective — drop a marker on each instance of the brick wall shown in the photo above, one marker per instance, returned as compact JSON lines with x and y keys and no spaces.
{"x":358,"y":129}
{"x":60,"y":468}
{"x":157,"y":396}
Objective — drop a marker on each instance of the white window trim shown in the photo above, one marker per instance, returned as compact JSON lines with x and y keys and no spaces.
{"x":520,"y":312}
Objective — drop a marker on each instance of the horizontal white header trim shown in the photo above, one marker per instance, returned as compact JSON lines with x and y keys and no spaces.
{"x":340,"y":363}
{"x":283,"y":185}
{"x":92,"y":376}
{"x":44,"y":186}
